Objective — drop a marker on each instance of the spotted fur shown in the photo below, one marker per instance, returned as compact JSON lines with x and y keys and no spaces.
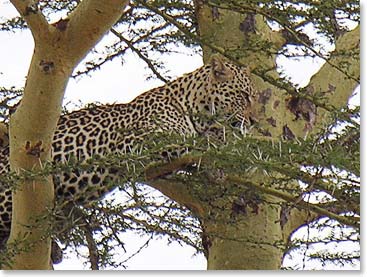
{"x":218,"y":87}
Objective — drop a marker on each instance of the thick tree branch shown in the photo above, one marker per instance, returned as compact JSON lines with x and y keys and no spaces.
{"x":179,"y":192}
{"x":244,"y":8}
{"x":175,"y":190}
{"x":30,"y":12}
{"x":160,"y":170}
{"x":336,"y":86}
{"x":88,"y":21}
{"x":295,"y":219}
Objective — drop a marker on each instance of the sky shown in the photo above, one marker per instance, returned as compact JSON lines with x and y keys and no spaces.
{"x":121,"y":83}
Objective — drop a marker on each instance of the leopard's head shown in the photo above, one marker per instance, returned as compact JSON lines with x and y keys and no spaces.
{"x":232,"y":92}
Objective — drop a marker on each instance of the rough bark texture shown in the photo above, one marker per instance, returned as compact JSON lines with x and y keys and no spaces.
{"x":58,"y":49}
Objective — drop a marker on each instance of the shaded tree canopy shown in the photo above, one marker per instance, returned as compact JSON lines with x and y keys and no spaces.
{"x":299,"y":159}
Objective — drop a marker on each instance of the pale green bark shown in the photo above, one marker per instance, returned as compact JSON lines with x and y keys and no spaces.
{"x":58,"y":49}
{"x":336,"y":86}
{"x":221,"y":28}
{"x":257,"y":241}
{"x":251,"y":241}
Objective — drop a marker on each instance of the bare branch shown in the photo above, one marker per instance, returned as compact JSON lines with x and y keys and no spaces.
{"x":141,"y":55}
{"x":92,"y":247}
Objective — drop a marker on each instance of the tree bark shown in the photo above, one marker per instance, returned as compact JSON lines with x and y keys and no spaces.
{"x":251,"y":240}
{"x":58,"y":49}
{"x":228,"y":31}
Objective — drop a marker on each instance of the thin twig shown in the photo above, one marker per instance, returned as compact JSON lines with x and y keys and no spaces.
{"x":139,"y":250}
{"x":141,"y":55}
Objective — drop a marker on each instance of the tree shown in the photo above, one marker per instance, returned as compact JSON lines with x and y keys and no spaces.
{"x":298,"y":166}
{"x":58,"y":49}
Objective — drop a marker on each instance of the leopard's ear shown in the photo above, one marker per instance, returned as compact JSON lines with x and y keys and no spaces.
{"x":220,"y":70}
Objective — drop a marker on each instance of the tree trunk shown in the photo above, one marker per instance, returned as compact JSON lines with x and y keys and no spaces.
{"x":31,"y":130}
{"x":58,"y":49}
{"x":255,"y":240}
{"x":250,"y":240}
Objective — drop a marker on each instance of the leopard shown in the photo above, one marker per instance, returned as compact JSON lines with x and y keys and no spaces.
{"x":219,"y":86}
